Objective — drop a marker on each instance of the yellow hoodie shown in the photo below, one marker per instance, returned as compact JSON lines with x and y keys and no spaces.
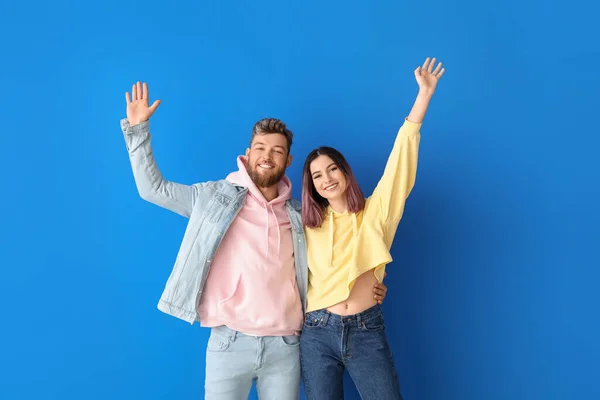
{"x":347,"y":244}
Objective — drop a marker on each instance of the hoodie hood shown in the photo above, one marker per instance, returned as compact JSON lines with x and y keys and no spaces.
{"x":255,"y":198}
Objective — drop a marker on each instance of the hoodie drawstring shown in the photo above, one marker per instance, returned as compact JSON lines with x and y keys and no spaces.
{"x":331,"y":232}
{"x":330,"y":261}
{"x":354,"y":235}
{"x":267,"y":231}
{"x":278,"y":232}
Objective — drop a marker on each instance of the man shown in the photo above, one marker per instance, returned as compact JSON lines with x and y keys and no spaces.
{"x":241,"y":269}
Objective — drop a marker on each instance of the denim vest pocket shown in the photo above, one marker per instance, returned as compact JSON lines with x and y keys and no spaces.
{"x":217,"y":207}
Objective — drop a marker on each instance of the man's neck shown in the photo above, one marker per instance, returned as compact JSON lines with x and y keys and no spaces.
{"x":269,"y":193}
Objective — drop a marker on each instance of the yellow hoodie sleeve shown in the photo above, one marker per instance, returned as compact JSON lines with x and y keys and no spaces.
{"x":398,"y":178}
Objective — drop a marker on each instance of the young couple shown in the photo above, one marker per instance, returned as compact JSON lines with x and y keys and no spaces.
{"x":289,"y":290}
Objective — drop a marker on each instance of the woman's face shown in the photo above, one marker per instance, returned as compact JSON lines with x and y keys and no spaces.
{"x":329,"y":180}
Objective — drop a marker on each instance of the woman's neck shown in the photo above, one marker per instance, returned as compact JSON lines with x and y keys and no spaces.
{"x":339,"y":205}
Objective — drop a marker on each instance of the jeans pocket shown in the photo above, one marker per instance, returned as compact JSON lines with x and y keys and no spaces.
{"x":313,"y":321}
{"x":218,"y":341}
{"x":291,"y":341}
{"x":373,"y":324}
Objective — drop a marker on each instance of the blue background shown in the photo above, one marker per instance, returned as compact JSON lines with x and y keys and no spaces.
{"x":493,"y":289}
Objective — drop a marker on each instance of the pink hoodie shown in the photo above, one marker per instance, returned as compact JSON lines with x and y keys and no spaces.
{"x":251,"y":286}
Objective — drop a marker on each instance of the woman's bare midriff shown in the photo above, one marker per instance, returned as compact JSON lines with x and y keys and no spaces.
{"x":361,"y":296}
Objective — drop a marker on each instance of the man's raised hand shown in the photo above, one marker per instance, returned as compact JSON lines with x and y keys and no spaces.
{"x":138,"y":110}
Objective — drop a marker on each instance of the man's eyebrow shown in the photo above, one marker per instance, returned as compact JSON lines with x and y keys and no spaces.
{"x":262,"y":144}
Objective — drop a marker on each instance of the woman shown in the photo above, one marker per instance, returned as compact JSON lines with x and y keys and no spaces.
{"x":349,"y":238}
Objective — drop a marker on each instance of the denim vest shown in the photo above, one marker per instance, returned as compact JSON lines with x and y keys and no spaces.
{"x":211,"y":207}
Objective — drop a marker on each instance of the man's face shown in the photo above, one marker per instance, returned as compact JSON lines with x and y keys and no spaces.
{"x":267,"y":158}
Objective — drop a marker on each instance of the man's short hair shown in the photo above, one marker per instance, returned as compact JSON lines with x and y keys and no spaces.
{"x":272,"y":125}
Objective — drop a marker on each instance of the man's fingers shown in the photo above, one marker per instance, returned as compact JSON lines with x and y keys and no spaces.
{"x":145,"y":95}
{"x":127,"y":98}
{"x":154,"y":106}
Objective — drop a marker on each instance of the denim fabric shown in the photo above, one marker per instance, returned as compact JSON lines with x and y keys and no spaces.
{"x":235,"y":360}
{"x":331,"y":344}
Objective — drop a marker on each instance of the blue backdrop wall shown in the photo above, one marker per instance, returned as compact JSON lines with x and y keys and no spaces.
{"x":493,"y":288}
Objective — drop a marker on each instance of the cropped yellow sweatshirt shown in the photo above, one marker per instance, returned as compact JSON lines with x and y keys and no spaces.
{"x":347,"y":244}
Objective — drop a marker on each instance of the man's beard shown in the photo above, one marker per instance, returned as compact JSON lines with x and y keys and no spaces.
{"x":272,"y":177}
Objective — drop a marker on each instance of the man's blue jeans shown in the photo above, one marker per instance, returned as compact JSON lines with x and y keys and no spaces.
{"x":235,"y":360}
{"x":331,"y":344}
